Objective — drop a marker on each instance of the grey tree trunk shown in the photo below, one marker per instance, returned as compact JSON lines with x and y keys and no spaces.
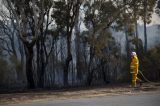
{"x":136,"y":36}
{"x":145,"y":29}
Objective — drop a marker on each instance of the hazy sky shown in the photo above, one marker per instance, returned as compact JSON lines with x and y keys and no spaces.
{"x":155,"y":19}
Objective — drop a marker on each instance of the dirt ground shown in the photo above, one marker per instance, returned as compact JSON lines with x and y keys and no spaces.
{"x":72,"y":93}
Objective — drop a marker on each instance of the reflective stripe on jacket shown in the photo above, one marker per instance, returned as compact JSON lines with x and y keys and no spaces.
{"x":134,"y":65}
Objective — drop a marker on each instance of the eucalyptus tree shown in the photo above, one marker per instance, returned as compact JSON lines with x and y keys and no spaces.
{"x":65,"y":15}
{"x":100,"y":16}
{"x":28,"y":16}
{"x":146,"y":15}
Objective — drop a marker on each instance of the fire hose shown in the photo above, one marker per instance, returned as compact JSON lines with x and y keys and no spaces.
{"x":145,"y":77}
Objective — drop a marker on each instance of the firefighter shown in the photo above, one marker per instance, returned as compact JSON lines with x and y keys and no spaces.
{"x":134,"y":69}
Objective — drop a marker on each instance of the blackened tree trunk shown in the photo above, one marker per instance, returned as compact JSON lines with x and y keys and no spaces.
{"x":69,"y":58}
{"x":127,"y":40}
{"x":38,"y":61}
{"x":136,"y":31}
{"x":78,"y":49}
{"x":127,"y":43}
{"x":90,"y":77}
{"x":42,"y":70}
{"x":43,"y":51}
{"x":145,"y":36}
{"x":145,"y":29}
{"x":71,"y":17}
{"x":29,"y":67}
{"x":90,"y":70}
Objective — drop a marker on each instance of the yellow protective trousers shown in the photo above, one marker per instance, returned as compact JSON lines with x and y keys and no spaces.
{"x":134,"y":80}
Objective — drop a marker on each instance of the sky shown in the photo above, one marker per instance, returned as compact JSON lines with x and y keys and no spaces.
{"x":155,"y":19}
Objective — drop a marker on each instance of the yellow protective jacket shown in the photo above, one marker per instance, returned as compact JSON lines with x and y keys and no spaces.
{"x":134,"y":65}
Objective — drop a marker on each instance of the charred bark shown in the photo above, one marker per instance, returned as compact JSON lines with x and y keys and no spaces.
{"x":68,"y":60}
{"x":29,"y":67}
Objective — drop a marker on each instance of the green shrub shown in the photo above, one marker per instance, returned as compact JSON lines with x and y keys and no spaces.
{"x":151,"y":64}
